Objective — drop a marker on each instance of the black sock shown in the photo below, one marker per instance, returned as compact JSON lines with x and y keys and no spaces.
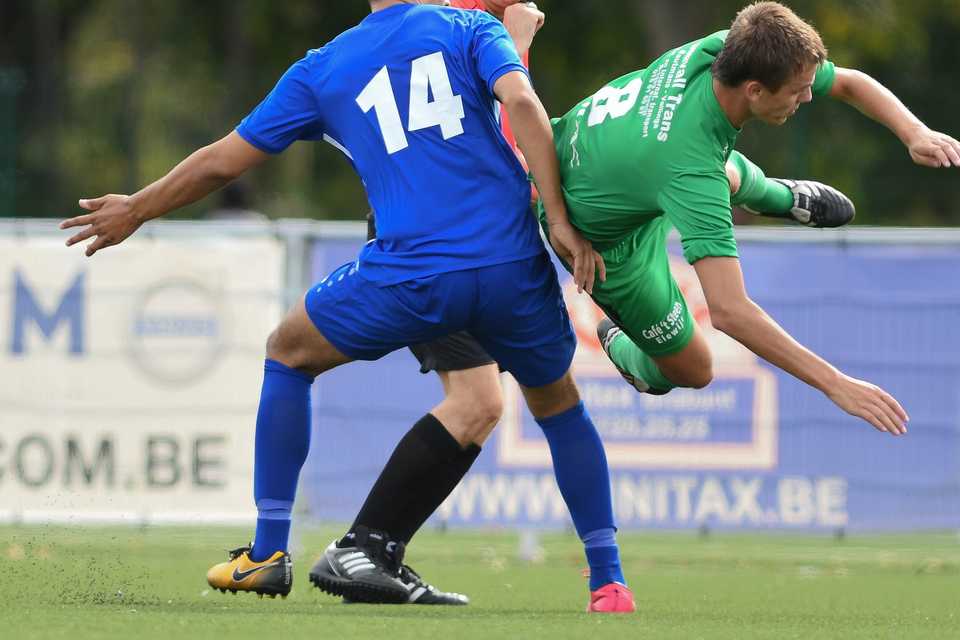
{"x":436,"y":491}
{"x":424,"y":468}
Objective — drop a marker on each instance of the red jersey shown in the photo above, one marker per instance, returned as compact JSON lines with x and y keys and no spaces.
{"x":504,"y":121}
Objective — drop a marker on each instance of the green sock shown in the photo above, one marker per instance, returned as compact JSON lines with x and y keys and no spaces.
{"x":758,"y":192}
{"x":628,"y":356}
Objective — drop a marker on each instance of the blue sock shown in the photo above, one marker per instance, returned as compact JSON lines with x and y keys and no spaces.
{"x":273,"y":528}
{"x":282,"y":443}
{"x":603,"y":556}
{"x":580,"y":466}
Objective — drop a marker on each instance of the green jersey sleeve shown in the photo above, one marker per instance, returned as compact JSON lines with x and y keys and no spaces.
{"x":698,"y":205}
{"x":823,"y":81}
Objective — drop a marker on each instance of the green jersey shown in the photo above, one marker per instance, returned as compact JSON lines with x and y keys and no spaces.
{"x":654,"y":143}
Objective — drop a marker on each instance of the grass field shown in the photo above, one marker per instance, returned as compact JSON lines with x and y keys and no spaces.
{"x":81,"y":583}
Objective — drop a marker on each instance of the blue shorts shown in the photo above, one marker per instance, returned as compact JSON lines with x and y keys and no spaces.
{"x":514,"y":310}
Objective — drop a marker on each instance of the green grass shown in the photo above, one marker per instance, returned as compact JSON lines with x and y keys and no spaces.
{"x":81,"y":583}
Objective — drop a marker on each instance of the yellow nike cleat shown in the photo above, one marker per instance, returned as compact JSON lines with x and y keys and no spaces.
{"x":272,"y":577}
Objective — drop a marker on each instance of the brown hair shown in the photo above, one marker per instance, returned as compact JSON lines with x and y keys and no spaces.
{"x":768,"y":43}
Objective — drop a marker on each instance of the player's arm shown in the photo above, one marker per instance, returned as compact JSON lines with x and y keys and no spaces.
{"x":734,"y":313}
{"x":114,"y":218}
{"x":927,"y":147}
{"x":535,"y":138}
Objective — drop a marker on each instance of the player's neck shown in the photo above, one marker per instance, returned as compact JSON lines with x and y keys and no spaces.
{"x":732,"y":103}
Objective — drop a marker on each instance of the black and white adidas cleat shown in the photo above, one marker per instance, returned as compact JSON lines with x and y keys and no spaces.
{"x":607,"y":332}
{"x":361,"y":572}
{"x":423,"y":593}
{"x":369,"y":569}
{"x":818,"y":205}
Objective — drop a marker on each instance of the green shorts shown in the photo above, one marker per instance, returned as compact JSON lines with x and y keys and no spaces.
{"x":641,"y":295}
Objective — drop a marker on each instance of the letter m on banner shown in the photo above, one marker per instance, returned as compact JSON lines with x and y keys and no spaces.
{"x":27,"y":310}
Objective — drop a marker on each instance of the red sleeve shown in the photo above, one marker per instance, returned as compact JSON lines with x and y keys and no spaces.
{"x":468,"y":4}
{"x":507,"y":131}
{"x":504,"y":121}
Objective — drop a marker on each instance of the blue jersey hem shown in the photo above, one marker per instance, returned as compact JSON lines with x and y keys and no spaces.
{"x":504,"y":70}
{"x":369,"y":270}
{"x":256,"y":142}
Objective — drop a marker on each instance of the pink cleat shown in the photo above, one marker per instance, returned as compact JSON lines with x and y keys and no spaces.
{"x":611,"y":598}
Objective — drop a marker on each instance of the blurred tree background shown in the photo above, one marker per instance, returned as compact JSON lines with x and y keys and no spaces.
{"x":101,"y":96}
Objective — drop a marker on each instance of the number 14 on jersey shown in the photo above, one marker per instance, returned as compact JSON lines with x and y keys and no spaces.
{"x":427,"y":74}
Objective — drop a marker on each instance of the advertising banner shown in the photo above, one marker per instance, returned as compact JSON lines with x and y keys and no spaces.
{"x":755,"y":449}
{"x":130,"y":380}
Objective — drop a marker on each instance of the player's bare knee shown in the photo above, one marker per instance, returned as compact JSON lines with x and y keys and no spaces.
{"x":283,"y":347}
{"x":275,"y":345}
{"x":552,"y":399}
{"x":695,"y":376}
{"x":479,"y":411}
{"x":487,"y":411}
{"x":700,"y":379}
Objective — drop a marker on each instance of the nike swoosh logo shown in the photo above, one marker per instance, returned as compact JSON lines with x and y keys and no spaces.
{"x":240,"y":576}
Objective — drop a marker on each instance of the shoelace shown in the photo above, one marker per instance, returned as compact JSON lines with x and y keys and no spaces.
{"x":407,"y":574}
{"x":236,"y":553}
{"x":395,"y":557}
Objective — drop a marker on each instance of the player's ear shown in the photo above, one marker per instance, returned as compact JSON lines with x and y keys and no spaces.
{"x":753,"y":90}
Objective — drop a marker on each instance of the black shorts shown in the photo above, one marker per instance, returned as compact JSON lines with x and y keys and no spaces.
{"x":455,"y":352}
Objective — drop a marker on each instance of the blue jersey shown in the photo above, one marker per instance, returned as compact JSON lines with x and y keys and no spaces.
{"x":407,"y":95}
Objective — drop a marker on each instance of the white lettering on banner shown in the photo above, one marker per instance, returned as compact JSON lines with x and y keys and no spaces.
{"x":690,"y":400}
{"x":746,"y":495}
{"x":682,"y":486}
{"x":604,"y":396}
{"x":832,"y":502}
{"x":713,"y":502}
{"x":660,"y":428}
{"x":668,"y":500}
{"x":802,"y":501}
{"x":641,"y":433}
{"x":607,"y":396}
{"x":511,"y":497}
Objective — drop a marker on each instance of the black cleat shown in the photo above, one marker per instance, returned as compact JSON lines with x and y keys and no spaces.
{"x":423,"y":593}
{"x":818,"y":205}
{"x":607,"y":331}
{"x":372,"y":571}
{"x":360,"y":573}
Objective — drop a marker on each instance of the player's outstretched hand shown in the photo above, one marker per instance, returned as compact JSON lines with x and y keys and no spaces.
{"x":934,"y":149}
{"x":577,"y":252}
{"x":112,"y":221}
{"x":871,"y":403}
